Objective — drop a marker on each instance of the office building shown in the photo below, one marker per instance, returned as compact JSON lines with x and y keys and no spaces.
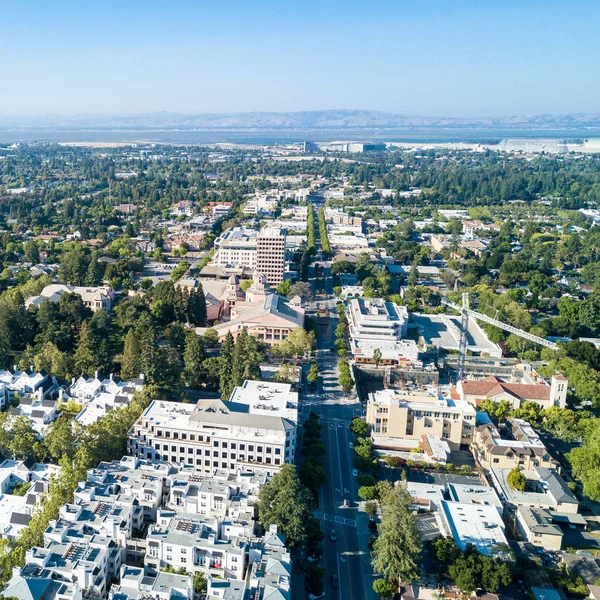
{"x":214,"y":434}
{"x":270,"y":254}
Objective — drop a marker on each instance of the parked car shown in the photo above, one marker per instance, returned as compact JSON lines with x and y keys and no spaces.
{"x":335,"y":582}
{"x":333,"y":535}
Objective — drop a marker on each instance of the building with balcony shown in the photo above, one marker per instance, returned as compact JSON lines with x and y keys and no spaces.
{"x":518,"y":445}
{"x":397,"y":414}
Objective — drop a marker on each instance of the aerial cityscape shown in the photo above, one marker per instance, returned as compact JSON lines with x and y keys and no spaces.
{"x":300,"y":302}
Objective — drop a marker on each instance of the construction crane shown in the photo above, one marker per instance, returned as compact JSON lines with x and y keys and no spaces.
{"x":466,"y":312}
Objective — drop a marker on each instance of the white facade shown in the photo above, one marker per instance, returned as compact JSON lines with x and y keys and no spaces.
{"x":214,"y":435}
{"x":236,"y":248}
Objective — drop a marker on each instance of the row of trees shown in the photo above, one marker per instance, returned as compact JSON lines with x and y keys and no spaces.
{"x":325,"y":245}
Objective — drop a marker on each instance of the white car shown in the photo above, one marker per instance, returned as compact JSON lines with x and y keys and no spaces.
{"x":355,"y":472}
{"x":350,"y":445}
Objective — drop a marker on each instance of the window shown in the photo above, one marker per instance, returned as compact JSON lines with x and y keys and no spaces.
{"x":233,"y":445}
{"x":242,"y":446}
{"x":277,"y":450}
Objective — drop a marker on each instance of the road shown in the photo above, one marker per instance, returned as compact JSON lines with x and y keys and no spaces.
{"x":348,"y":556}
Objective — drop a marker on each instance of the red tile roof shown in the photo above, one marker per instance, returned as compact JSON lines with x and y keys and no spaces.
{"x":492,"y":386}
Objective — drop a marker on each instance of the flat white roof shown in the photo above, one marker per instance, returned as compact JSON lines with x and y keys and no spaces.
{"x":475,"y":524}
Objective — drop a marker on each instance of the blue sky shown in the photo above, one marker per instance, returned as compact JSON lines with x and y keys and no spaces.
{"x":422,"y":57}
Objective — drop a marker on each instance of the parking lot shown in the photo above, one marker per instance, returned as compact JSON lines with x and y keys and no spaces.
{"x":442,"y":478}
{"x":428,"y":526}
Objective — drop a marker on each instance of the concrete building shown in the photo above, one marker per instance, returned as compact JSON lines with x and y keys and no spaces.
{"x":374,"y":323}
{"x":394,"y":414}
{"x":270,"y":254}
{"x":495,"y":389}
{"x":215,"y":434}
{"x":236,"y":247}
{"x":519,"y":447}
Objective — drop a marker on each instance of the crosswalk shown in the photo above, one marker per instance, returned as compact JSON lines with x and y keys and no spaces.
{"x":339,"y":520}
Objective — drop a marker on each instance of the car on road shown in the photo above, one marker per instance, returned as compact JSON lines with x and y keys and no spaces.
{"x":335,"y":582}
{"x":355,"y":472}
{"x":333,"y":535}
{"x":350,"y":445}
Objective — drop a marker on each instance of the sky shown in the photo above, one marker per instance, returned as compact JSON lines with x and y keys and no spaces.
{"x":460,"y":58}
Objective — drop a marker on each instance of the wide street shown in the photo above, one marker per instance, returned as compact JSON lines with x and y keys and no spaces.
{"x":347,"y":557}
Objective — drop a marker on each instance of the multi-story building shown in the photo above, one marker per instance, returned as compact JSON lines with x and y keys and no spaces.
{"x":237,"y":247}
{"x":137,"y":583}
{"x":394,"y":414}
{"x":519,"y":447}
{"x":214,"y":434}
{"x":270,"y":318}
{"x":376,"y":324}
{"x":494,"y":388}
{"x":270,"y":254}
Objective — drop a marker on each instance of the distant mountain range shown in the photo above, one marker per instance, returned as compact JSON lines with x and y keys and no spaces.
{"x":318,"y":119}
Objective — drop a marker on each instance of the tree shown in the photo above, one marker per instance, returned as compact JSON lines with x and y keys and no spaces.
{"x":472,"y":571}
{"x":200,"y":583}
{"x":61,"y":437}
{"x":302,"y":289}
{"x":384,"y":588}
{"x":368,"y":492}
{"x":377,"y":356}
{"x":285,"y":502}
{"x":210,"y":337}
{"x":24,"y":439}
{"x":498,"y":411}
{"x":517,"y":480}
{"x":85,"y":356}
{"x":298,"y":343}
{"x":359,"y":426}
{"x":371,"y":509}
{"x":313,"y":374}
{"x":131,"y":363}
{"x":345,"y":379}
{"x":193,"y":358}
{"x":397,"y":548}
{"x":585,"y":462}
{"x":283,"y":287}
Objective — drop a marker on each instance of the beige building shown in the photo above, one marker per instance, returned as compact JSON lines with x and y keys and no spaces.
{"x":270,"y":254}
{"x":537,"y":527}
{"x":519,"y":447}
{"x":394,"y":414}
{"x":494,"y":388}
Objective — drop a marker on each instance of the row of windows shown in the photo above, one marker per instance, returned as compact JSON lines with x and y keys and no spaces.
{"x":182,"y":450}
{"x":215,"y":463}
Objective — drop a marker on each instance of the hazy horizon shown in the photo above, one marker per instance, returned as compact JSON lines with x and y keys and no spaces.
{"x":434,"y":59}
